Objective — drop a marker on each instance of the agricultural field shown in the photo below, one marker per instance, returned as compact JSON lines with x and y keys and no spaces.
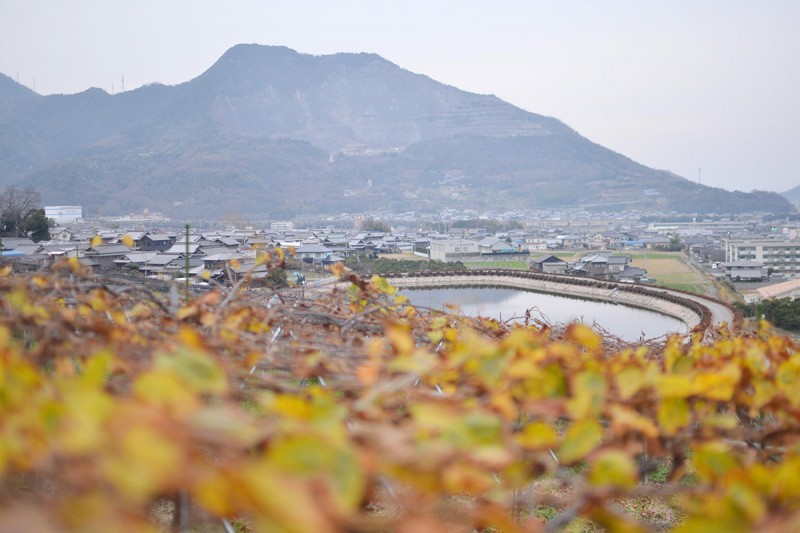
{"x":671,"y":270}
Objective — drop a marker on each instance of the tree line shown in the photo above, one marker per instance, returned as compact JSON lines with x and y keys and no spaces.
{"x":784,"y":313}
{"x":21,"y":214}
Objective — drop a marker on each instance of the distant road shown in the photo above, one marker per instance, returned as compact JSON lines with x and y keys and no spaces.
{"x":719,"y":312}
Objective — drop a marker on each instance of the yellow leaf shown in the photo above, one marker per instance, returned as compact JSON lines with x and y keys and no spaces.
{"x":538,"y":436}
{"x":717,"y":420}
{"x":382,"y":285}
{"x":196,"y":368}
{"x":464,"y":478}
{"x":165,"y":389}
{"x":673,"y":414}
{"x":503,"y":403}
{"x":581,"y":438}
{"x":97,"y":368}
{"x":588,"y":395}
{"x":225,"y":425}
{"x":584,"y":335}
{"x":613,"y":468}
{"x":147,"y":464}
{"x":748,"y":500}
{"x":612,"y":521}
{"x":624,"y":420}
{"x":712,"y":461}
{"x":631,"y":379}
{"x":417,"y":363}
{"x":128,"y":241}
{"x":730,"y":523}
{"x":313,"y":457}
{"x":783,"y":483}
{"x":279,"y":502}
{"x":216,"y":492}
{"x":763,"y":393}
{"x":399,"y":335}
{"x":97,"y":240}
{"x":788,"y":380}
{"x":671,"y":386}
{"x":718,"y":385}
{"x":337,"y":270}
{"x":289,"y":406}
{"x":85,"y":413}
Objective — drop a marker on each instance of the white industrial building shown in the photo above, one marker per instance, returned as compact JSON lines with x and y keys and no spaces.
{"x":64,"y":214}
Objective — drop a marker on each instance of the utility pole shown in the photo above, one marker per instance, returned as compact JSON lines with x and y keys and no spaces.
{"x":186,"y":273}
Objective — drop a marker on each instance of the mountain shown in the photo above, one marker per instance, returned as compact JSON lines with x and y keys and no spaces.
{"x":793,"y":195}
{"x":269,"y":132}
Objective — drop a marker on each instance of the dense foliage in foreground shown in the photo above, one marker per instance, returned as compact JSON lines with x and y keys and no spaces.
{"x":355,"y":412}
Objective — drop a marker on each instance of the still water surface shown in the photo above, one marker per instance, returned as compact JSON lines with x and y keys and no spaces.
{"x":629,"y":323}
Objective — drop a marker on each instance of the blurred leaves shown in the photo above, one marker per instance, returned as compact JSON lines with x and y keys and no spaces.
{"x":357,"y":412}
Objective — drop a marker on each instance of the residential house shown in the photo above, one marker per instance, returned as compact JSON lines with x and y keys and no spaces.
{"x":135,"y":261}
{"x":493,"y":245}
{"x":155,"y":242}
{"x":602,"y":265}
{"x":104,"y":255}
{"x":745,"y":270}
{"x":631,"y":275}
{"x":656,"y":243}
{"x":179,"y":248}
{"x":313,"y":253}
{"x":135,"y":236}
{"x":570,"y":241}
{"x":549,"y":264}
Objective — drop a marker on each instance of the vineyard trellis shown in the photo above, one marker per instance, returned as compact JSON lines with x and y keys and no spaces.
{"x":358,"y":412}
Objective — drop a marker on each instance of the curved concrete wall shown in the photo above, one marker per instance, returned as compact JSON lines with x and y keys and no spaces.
{"x":693,"y":314}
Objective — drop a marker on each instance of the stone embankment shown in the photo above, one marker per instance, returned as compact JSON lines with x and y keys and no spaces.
{"x":695,"y":315}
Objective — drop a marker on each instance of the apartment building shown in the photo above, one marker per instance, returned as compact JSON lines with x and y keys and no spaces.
{"x":778,"y":255}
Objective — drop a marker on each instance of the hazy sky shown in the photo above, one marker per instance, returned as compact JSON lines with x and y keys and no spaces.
{"x":676,"y":85}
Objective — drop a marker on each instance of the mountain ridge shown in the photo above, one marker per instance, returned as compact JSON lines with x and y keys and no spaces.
{"x":268,"y":131}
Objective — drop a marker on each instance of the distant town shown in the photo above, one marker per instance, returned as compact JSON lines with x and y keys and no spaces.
{"x":757,"y":254}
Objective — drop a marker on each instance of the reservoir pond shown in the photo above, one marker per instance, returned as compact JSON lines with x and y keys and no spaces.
{"x":628,"y":323}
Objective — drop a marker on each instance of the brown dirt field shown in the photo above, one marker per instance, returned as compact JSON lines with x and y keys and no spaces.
{"x":656,"y":266}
